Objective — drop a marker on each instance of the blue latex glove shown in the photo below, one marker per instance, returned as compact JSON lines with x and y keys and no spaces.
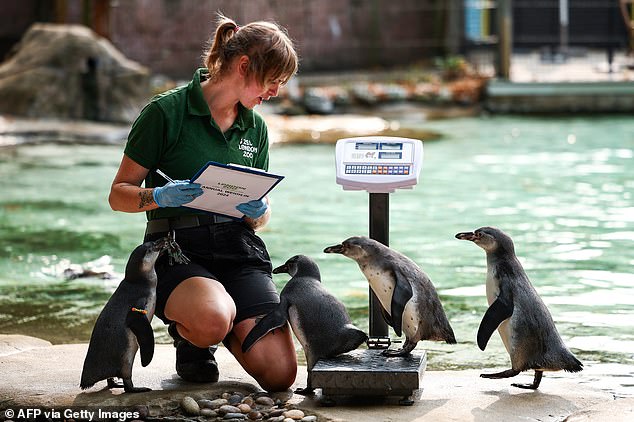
{"x":253,"y":209}
{"x":176,"y":193}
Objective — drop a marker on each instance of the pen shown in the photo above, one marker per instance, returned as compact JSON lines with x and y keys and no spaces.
{"x":165,"y":176}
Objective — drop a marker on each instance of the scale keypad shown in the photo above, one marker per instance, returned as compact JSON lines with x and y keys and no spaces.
{"x":376,"y":169}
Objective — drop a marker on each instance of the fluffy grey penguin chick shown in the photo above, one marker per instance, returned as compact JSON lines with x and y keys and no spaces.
{"x":409,"y":300}
{"x":318,"y":319}
{"x":519,"y":314}
{"x":123,"y":326}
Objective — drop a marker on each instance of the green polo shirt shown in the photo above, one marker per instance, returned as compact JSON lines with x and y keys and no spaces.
{"x":176,"y":133}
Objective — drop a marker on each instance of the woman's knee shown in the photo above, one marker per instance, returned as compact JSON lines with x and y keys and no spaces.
{"x":202,"y":310}
{"x":205,"y":329}
{"x":277,"y":373}
{"x":272,"y":361}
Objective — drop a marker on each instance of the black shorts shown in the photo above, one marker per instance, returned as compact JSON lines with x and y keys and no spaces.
{"x":230,"y":253}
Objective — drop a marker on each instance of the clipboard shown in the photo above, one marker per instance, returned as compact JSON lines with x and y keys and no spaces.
{"x":227,"y":185}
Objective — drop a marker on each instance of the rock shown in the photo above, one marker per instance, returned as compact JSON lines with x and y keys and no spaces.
{"x":295,"y":414}
{"x":282,"y":396}
{"x":329,"y":129}
{"x":238,"y":416}
{"x":214,"y":404}
{"x":189,"y":406}
{"x":244,"y":408}
{"x":265,"y":401}
{"x":309,"y":418}
{"x":277,"y":412}
{"x":249,"y":401}
{"x":235,"y":399}
{"x":69,"y":72}
{"x":254,"y":415}
{"x":316,"y":101}
{"x":143,"y":411}
{"x":209,"y":413}
{"x":227,"y":408}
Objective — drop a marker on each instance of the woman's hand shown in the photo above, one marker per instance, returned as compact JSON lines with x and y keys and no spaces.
{"x":176,"y":193}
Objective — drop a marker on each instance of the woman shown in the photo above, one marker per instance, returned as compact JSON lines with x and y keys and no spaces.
{"x":218,"y":296}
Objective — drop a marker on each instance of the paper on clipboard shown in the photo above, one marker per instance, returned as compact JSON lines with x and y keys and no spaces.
{"x":225,"y":186}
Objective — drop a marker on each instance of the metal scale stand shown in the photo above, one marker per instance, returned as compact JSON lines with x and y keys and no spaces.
{"x":379,"y":165}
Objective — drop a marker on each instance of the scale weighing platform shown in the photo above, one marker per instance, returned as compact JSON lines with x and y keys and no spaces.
{"x":378,"y":165}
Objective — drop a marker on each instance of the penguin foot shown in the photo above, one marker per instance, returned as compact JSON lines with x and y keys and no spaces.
{"x":113,"y":384}
{"x":305,"y":391}
{"x":408,"y":346}
{"x":504,"y":374}
{"x":394,"y":353}
{"x":128,"y":387}
{"x":536,"y":381}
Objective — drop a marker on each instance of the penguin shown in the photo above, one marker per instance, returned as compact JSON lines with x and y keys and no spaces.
{"x":318,"y":319}
{"x":408,"y":298}
{"x":123,"y":326}
{"x":519,"y":314}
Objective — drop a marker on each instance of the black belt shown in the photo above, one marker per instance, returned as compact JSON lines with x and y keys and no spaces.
{"x":162,"y":225}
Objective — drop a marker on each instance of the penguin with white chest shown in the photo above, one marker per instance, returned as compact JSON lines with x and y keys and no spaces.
{"x":123,"y":326}
{"x":318,"y":319}
{"x":518,"y":313}
{"x":408,"y":298}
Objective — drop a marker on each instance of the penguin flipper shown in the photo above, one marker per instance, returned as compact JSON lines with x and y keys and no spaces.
{"x":277,"y":318}
{"x":140,"y":326}
{"x":386,"y":317}
{"x":402,"y":294}
{"x":493,"y":317}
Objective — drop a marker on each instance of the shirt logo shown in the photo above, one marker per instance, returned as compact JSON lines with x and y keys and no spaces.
{"x":247,"y":148}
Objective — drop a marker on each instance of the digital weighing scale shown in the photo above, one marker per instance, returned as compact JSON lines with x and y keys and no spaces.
{"x":378,"y":165}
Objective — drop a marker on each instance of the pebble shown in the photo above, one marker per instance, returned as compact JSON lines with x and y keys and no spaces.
{"x":265,"y":401}
{"x":208,"y":412}
{"x":190,"y":406}
{"x":235,"y":416}
{"x":218,"y":402}
{"x":276,"y":419}
{"x":227,"y":408}
{"x":235,"y":398}
{"x":294,"y":414}
{"x":277,"y":412}
{"x":309,"y":418}
{"x":288,"y":420}
{"x":254,"y":415}
{"x":143,"y":411}
{"x":244,"y":408}
{"x":248,"y":400}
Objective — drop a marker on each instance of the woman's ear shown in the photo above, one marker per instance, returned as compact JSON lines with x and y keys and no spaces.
{"x":243,"y":65}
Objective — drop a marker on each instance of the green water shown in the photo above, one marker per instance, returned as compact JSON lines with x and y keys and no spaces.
{"x":561,"y":187}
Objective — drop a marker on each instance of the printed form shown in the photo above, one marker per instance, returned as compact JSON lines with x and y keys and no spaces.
{"x":227,"y":185}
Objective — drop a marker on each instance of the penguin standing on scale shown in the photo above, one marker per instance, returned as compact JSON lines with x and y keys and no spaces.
{"x":519,"y":314}
{"x":409,"y":301}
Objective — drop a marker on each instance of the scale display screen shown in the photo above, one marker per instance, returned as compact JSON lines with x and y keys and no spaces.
{"x":390,"y":155}
{"x":378,"y":164}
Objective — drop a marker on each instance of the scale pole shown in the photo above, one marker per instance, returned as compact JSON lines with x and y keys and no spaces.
{"x":379,"y":231}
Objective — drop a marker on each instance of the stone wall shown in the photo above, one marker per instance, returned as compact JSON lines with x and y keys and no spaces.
{"x":168,"y":36}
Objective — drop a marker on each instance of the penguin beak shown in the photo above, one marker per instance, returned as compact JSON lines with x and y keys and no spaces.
{"x":334,"y":249}
{"x":282,"y":269}
{"x":467,"y":236}
{"x":160,"y":245}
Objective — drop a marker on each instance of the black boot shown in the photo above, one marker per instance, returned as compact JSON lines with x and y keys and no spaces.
{"x":193,"y":363}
